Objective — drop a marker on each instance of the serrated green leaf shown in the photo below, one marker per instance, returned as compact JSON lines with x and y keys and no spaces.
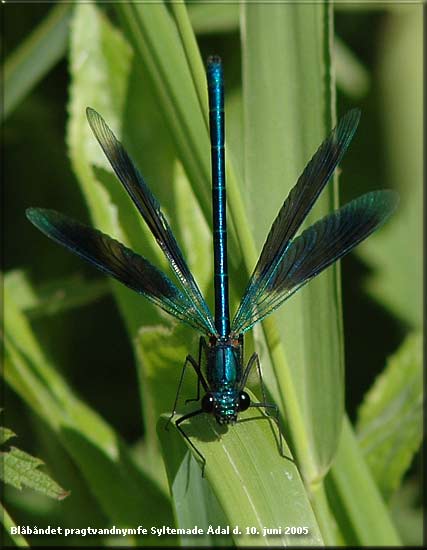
{"x":389,"y":426}
{"x":18,"y":468}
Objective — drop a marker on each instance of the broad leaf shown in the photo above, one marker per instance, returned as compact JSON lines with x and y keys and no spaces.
{"x":284,"y":123}
{"x":254,"y":485}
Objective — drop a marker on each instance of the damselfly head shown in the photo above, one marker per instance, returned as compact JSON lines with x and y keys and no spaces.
{"x":225,"y":406}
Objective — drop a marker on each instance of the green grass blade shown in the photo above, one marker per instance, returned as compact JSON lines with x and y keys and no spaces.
{"x":158,"y":352}
{"x":189,"y":43}
{"x":35,"y":57}
{"x":8,"y":525}
{"x":359,"y":510}
{"x":175,"y":83}
{"x":213,"y":18}
{"x":389,"y":427}
{"x":165,"y":62}
{"x":288,"y":47}
{"x":250,"y":452}
{"x":195,"y":504}
{"x":253,"y":484}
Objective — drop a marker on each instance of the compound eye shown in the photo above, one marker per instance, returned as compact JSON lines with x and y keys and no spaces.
{"x":208,"y":403}
{"x":244,"y":401}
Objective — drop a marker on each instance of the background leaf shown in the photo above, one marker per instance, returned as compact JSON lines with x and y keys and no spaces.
{"x":388,"y":252}
{"x":35,"y":56}
{"x":349,"y":484}
{"x":389,"y":427}
{"x":5,"y":435}
{"x":55,"y":296}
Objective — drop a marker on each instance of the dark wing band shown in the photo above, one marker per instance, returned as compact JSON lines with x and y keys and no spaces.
{"x":315,"y":249}
{"x":149,"y":208}
{"x":115,"y":259}
{"x":297,"y":206}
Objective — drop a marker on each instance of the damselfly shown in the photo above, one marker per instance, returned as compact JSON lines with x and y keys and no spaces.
{"x":286,"y":262}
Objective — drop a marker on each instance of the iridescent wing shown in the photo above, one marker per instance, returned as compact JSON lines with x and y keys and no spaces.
{"x":122,"y":263}
{"x":315,"y":249}
{"x":149,"y":208}
{"x":296,"y":207}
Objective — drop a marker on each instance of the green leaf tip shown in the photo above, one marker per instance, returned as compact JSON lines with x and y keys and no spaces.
{"x":19,"y":469}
